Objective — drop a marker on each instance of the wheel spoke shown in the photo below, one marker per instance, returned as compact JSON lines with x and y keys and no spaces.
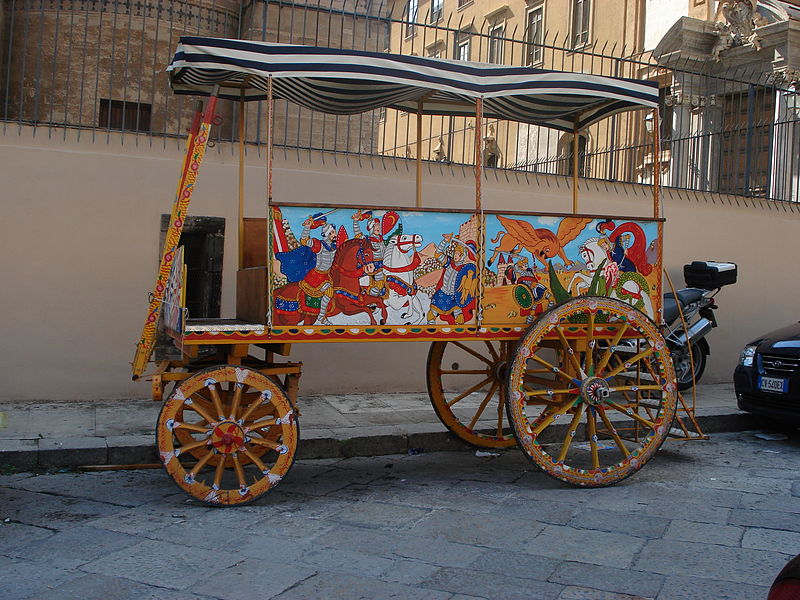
{"x":464,"y":372}
{"x":576,"y":419}
{"x":201,"y":463}
{"x":570,"y":353}
{"x":250,"y":408}
{"x":191,"y":427}
{"x":541,"y":400}
{"x":192,"y":446}
{"x":256,"y":461}
{"x":482,"y":406}
{"x":592,"y":427}
{"x":237,"y":398}
{"x":196,"y":407}
{"x":590,"y":345}
{"x":492,"y":351}
{"x":217,"y":401}
{"x":629,"y":363}
{"x":237,"y":466}
{"x":260,"y":424}
{"x":633,"y":388}
{"x":218,"y":472}
{"x":474,"y":388}
{"x":469,"y":350}
{"x":629,"y":412}
{"x":553,"y":369}
{"x":500,"y":412}
{"x":612,"y":432}
{"x":552,"y":416}
{"x":262,"y":442}
{"x":610,"y":350}
{"x":551,"y":392}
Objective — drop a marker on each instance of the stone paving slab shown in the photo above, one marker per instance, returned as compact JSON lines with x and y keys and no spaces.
{"x":409,"y":526}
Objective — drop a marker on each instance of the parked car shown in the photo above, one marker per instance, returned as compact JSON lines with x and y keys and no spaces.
{"x":767,"y":378}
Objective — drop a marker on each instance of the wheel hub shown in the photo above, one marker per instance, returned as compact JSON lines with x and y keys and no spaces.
{"x":227,"y":437}
{"x":595,"y":390}
{"x":499,"y":369}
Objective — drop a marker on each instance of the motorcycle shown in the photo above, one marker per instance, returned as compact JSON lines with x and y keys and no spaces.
{"x":704,"y":279}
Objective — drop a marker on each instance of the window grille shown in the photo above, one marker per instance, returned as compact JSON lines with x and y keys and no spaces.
{"x":125,"y":116}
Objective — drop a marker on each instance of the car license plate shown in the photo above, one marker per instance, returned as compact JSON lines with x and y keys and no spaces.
{"x":772,"y":384}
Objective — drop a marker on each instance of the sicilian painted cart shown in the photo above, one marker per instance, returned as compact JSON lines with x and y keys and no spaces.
{"x":543,"y":327}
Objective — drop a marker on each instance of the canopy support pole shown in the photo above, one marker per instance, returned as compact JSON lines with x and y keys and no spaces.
{"x":270,"y":221}
{"x":419,"y":154}
{"x":241,"y":180}
{"x":479,"y":208}
{"x":656,"y":164}
{"x":195,"y":151}
{"x":478,"y":161}
{"x":575,"y":147}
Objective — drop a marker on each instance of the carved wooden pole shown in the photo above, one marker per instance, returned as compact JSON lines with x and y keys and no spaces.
{"x":419,"y":154}
{"x":241,"y":179}
{"x":656,"y":164}
{"x":575,"y":169}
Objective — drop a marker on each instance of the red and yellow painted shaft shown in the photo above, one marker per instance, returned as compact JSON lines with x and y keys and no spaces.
{"x":195,"y":151}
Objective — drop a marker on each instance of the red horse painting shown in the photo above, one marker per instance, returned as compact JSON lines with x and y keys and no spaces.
{"x":353,"y":260}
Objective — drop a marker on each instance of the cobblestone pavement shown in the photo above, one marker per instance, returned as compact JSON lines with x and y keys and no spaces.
{"x":714,"y":519}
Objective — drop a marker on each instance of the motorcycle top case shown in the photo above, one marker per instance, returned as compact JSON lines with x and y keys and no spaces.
{"x":709,"y":274}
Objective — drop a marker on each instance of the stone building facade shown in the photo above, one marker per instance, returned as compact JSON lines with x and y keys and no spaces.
{"x":100,"y":64}
{"x":559,"y":35}
{"x":735,"y":73}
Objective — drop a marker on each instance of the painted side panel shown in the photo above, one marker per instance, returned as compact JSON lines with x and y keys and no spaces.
{"x":355,"y":274}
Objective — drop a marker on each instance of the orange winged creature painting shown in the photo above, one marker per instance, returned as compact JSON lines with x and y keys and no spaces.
{"x":542,"y":243}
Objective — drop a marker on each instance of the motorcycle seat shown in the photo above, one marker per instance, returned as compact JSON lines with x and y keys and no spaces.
{"x":685,"y":296}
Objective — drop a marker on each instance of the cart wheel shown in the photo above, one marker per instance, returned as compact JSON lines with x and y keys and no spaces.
{"x":466,"y":385}
{"x":586,"y":408}
{"x":227,"y":435}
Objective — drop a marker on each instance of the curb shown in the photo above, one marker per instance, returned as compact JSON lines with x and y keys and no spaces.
{"x":348,"y":442}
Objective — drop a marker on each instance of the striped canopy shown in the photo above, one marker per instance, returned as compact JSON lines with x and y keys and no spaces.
{"x":347,"y":82}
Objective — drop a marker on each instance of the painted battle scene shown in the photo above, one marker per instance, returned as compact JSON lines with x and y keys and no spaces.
{"x":535,"y":262}
{"x":346,"y":266}
{"x":373,"y":267}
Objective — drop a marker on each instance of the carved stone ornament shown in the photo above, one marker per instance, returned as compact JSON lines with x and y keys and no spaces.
{"x":738,"y":29}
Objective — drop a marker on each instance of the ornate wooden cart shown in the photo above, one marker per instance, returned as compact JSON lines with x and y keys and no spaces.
{"x":542,"y":326}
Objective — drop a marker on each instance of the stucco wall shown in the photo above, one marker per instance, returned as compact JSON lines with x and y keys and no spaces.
{"x":81,"y":232}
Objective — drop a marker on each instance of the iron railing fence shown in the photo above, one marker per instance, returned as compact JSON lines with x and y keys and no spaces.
{"x":97,"y":66}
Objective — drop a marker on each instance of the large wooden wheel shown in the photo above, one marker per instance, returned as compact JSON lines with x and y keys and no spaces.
{"x":227,"y":435}
{"x":592,"y":391}
{"x":466,"y":385}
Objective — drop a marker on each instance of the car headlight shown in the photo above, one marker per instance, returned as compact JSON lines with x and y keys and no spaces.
{"x":746,"y":358}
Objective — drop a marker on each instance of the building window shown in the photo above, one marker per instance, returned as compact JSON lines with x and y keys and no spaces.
{"x":125,"y":116}
{"x":746,"y":142}
{"x":496,"y":35}
{"x":581,"y":10}
{"x":463,"y":3}
{"x":437,"y":10}
{"x":411,"y":16}
{"x":462,"y":50}
{"x":435,"y":51}
{"x":534,"y":34}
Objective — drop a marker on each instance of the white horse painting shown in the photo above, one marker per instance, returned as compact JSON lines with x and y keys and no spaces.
{"x":399,"y":263}
{"x":629,"y":288}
